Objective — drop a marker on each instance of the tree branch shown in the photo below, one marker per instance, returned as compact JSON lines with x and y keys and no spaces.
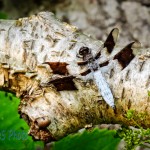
{"x":26,"y":47}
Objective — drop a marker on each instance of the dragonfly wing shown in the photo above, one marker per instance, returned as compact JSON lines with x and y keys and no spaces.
{"x":126,"y":55}
{"x":104,"y":88}
{"x":111,"y":40}
{"x":62,"y":83}
{"x":58,"y":67}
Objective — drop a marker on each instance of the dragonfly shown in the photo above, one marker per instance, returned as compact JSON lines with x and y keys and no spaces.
{"x":99,"y":79}
{"x":65,"y":81}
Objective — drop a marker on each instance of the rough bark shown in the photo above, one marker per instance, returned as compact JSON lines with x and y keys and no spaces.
{"x":26,"y":47}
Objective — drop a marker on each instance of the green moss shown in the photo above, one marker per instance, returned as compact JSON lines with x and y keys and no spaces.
{"x":148,"y":93}
{"x":136,"y":117}
{"x":134,"y":137}
{"x":130,"y":114}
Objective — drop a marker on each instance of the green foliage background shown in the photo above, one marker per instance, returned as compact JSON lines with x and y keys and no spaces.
{"x":3,"y":15}
{"x":89,"y":140}
{"x":13,"y":130}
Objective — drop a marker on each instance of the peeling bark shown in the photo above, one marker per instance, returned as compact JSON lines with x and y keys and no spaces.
{"x":28,"y":47}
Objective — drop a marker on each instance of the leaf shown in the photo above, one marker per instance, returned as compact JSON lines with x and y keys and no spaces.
{"x":13,"y":130}
{"x":94,"y":140}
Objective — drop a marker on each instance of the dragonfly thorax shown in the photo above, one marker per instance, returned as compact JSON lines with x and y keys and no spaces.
{"x":93,"y":66}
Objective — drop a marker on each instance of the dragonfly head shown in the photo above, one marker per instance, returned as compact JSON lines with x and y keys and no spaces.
{"x":84,"y":51}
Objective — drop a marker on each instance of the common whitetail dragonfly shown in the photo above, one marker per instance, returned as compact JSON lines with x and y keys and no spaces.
{"x":65,"y":82}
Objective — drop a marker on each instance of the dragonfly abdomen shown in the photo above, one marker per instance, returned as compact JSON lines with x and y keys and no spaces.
{"x":103,"y":88}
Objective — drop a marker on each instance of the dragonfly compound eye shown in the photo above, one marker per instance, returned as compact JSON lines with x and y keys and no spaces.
{"x":84,"y":51}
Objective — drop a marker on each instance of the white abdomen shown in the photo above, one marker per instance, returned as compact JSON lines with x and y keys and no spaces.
{"x":104,"y":88}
